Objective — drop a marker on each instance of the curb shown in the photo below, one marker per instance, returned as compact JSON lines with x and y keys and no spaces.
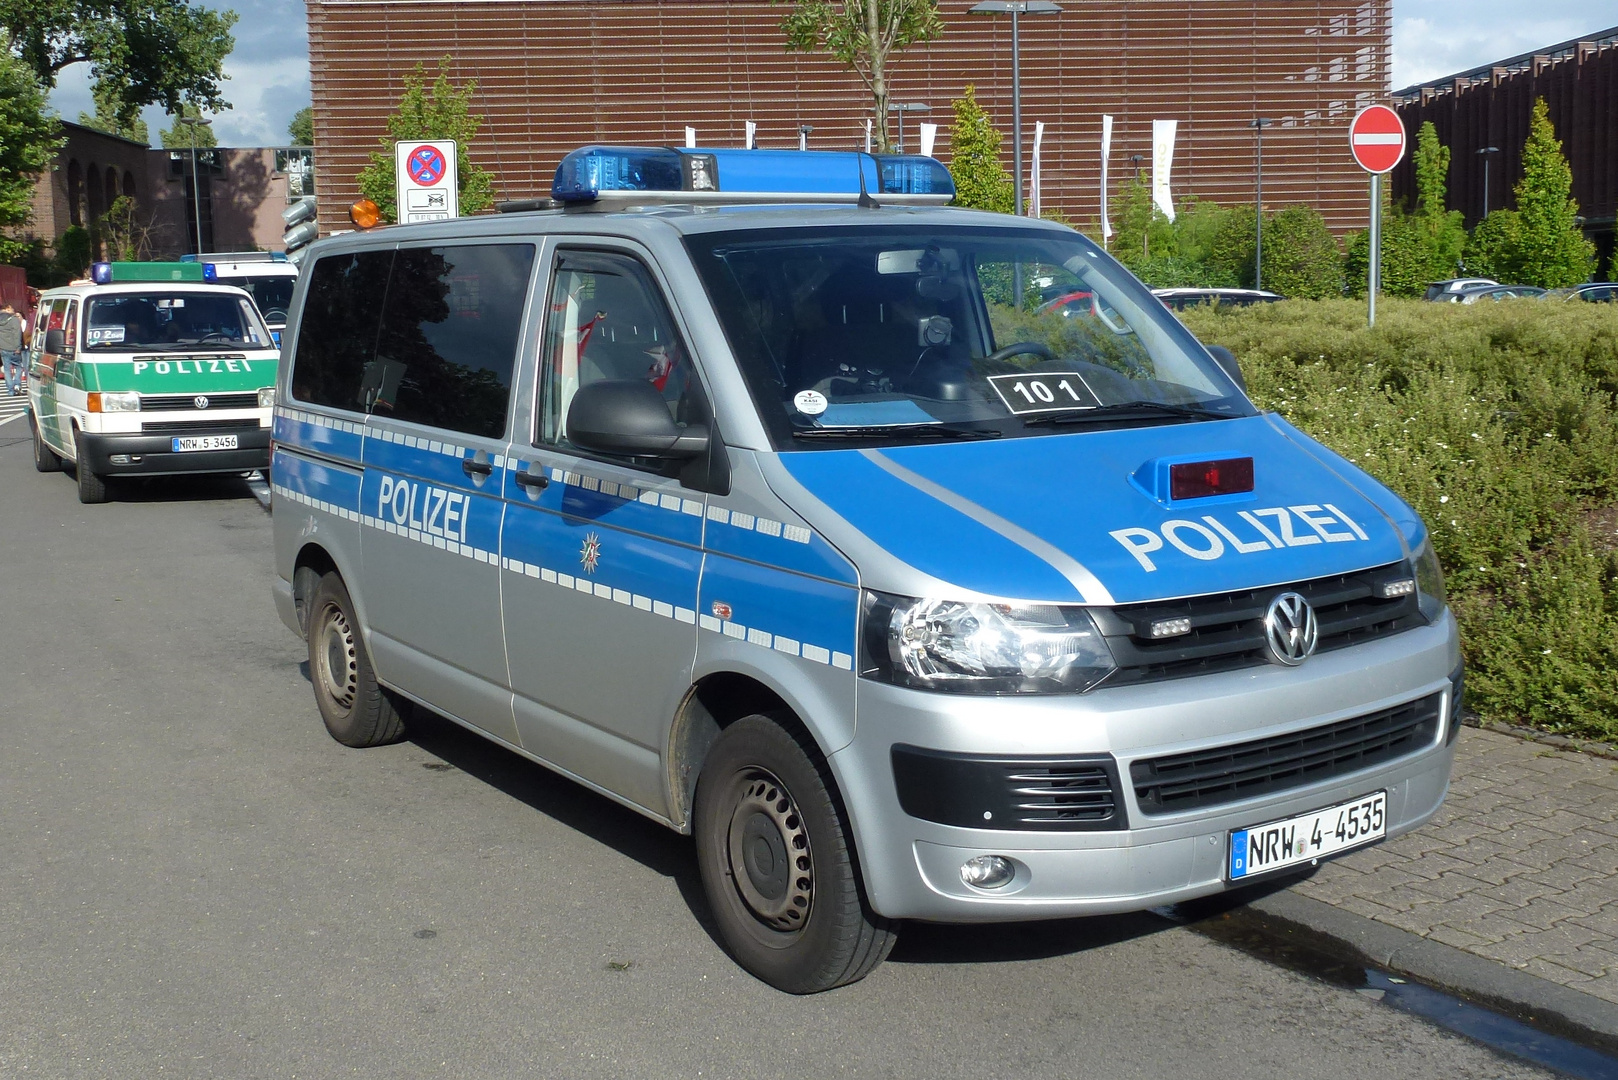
{"x":1570,"y":743}
{"x":1555,"y":1009}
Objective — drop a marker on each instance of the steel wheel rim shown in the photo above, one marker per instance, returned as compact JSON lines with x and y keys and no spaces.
{"x":337,"y":657}
{"x":769,"y":856}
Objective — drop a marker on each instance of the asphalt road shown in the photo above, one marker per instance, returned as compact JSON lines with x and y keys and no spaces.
{"x":196,"y":881}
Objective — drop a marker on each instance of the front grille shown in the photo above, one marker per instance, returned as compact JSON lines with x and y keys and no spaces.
{"x":198,"y":427}
{"x":992,"y":792}
{"x":1227,"y":629}
{"x":1227,"y":774}
{"x":188,"y":402}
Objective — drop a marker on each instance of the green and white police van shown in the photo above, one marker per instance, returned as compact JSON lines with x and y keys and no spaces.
{"x":150,"y":369}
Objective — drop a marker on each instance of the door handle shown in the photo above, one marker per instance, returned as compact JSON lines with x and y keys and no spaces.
{"x":476,"y":468}
{"x":531,"y":479}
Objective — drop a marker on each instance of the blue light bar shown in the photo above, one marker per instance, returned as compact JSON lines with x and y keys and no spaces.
{"x":101,"y":273}
{"x":210,"y":272}
{"x":647,"y":174}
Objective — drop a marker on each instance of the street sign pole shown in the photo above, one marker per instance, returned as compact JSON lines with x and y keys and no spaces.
{"x":1375,"y":283}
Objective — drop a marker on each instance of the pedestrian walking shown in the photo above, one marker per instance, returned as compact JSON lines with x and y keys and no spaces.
{"x":11,"y":347}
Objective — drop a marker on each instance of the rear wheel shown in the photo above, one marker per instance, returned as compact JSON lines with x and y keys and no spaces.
{"x":356,"y":709}
{"x":777,"y":863}
{"x":92,"y":488}
{"x":45,"y":459}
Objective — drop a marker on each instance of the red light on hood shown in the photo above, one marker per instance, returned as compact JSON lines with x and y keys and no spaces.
{"x":1200,"y":479}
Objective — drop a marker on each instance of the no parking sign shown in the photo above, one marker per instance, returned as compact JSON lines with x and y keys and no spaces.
{"x":425,"y":180}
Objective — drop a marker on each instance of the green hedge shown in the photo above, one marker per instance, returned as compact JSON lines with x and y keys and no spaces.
{"x":1497,"y":422}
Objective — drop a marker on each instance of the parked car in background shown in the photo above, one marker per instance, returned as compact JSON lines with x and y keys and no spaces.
{"x":1495,"y":292}
{"x":1180,"y":299}
{"x":1442,"y":290}
{"x":1595,"y":292}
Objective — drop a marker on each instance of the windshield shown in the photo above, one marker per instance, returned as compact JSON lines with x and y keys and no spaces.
{"x":165,"y":321}
{"x":905,"y":334}
{"x":273,"y":295}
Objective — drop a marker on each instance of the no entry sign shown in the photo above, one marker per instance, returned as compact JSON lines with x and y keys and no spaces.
{"x":1377,"y":139}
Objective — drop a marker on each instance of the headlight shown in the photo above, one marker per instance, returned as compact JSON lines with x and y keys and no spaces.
{"x":125,"y":401}
{"x":266,"y":397}
{"x":981,"y":648}
{"x":1429,"y":581}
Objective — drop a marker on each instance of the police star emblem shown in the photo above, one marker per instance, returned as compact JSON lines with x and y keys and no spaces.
{"x":590,"y":553}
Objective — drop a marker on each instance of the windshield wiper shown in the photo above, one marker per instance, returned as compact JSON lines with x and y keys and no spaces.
{"x":883,"y":431}
{"x":1125,"y":409}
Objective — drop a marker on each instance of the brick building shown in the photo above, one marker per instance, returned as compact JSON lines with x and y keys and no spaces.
{"x":556,"y":74}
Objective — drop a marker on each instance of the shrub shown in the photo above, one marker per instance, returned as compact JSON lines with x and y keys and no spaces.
{"x":981,"y":181}
{"x":1492,"y":248}
{"x":1498,"y":423}
{"x":1301,"y":258}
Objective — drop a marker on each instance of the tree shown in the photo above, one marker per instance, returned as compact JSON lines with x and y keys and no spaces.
{"x":302,"y":128}
{"x":1301,"y":257}
{"x":140,"y":52}
{"x":1140,"y":230}
{"x":863,"y":35}
{"x":1551,"y":250}
{"x":127,"y":234}
{"x":1407,"y":264}
{"x":1492,"y":249}
{"x":442,"y":112}
{"x":109,"y":109}
{"x":1443,"y":231}
{"x":981,"y":181}
{"x":29,"y":139}
{"x":178,"y":136}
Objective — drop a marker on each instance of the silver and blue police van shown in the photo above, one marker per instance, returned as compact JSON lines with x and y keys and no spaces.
{"x":916,"y":561}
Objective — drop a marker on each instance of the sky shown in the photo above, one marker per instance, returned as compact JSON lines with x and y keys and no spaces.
{"x":268,"y":74}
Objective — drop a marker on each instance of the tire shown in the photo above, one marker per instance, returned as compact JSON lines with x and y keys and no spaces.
{"x":45,"y":459}
{"x":92,"y":488}
{"x":777,"y":863}
{"x":357,"y":711}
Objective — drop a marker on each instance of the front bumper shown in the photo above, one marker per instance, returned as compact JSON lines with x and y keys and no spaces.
{"x":912,"y":866}
{"x":153,"y":455}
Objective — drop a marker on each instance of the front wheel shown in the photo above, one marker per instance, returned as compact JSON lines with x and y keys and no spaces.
{"x":92,"y":488}
{"x":777,"y":863}
{"x":356,"y":709}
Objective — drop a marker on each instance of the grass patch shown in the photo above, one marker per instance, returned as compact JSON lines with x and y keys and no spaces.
{"x":1498,"y":423}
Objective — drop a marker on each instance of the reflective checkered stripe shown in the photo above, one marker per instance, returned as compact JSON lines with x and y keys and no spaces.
{"x":586,"y":587}
{"x":776,"y":642}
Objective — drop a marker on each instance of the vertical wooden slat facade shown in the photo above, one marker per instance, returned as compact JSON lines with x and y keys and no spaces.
{"x":1491,"y":106}
{"x":556,"y":74}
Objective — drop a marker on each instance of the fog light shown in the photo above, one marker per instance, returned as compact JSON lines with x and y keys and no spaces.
{"x":988,"y":871}
{"x":119,"y":459}
{"x":1402,"y":587}
{"x":1163,"y":628}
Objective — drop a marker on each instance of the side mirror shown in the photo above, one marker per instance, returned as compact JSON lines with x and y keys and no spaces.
{"x":629,"y":418}
{"x":56,"y":342}
{"x":1227,"y":360}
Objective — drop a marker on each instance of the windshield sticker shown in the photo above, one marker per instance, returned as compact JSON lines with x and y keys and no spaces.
{"x":1047,"y":391}
{"x":809,"y":402}
{"x":98,"y":335}
{"x":876,"y":414}
{"x":1256,"y":530}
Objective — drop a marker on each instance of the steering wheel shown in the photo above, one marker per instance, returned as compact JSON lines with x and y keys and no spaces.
{"x":215,"y":336}
{"x":1021,"y":348}
{"x":273,"y":312}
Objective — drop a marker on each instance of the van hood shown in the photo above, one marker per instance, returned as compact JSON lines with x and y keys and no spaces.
{"x":1087,"y":516}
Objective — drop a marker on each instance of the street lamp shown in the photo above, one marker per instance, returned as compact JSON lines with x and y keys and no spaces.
{"x":1259,"y":124}
{"x":803,"y":135}
{"x":1486,"y":151}
{"x":194,"y":122}
{"x":1016,"y":9}
{"x":902,"y":107}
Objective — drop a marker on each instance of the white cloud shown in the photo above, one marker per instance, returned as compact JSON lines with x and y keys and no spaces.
{"x":1434,"y":38}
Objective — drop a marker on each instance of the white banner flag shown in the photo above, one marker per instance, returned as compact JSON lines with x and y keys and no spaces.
{"x":690,"y":137}
{"x":1162,"y":164}
{"x":1033,"y":175}
{"x":1106,"y":152}
{"x":929,"y":135}
{"x":752,"y":136}
{"x":867,"y":134}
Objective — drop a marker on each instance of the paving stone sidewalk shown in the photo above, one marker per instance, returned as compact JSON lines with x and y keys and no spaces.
{"x":1520,"y":866}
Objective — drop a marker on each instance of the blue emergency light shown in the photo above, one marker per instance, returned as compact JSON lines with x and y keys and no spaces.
{"x":647,"y":174}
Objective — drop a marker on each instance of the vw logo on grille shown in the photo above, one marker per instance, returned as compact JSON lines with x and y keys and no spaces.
{"x":200,"y":402}
{"x":1291,"y":629}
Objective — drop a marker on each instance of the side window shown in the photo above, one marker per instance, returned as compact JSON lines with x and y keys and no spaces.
{"x":42,"y":322}
{"x":450,"y":333}
{"x":70,"y":323}
{"x":337,"y":334}
{"x":607,"y":321}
